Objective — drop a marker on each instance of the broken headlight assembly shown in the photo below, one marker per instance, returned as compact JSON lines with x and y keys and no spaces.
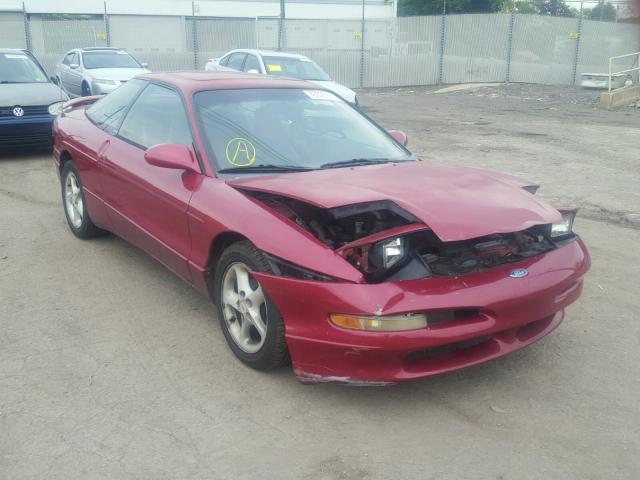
{"x":564,"y":228}
{"x":387,"y":253}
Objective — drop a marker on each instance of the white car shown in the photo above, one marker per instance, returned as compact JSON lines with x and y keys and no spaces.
{"x":279,"y":64}
{"x":96,"y":71}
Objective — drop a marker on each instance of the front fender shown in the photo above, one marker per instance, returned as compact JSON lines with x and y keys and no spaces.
{"x":217,"y":208}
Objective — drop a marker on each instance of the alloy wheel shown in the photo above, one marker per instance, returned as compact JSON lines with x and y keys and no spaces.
{"x":244,"y":308}
{"x":73,"y":200}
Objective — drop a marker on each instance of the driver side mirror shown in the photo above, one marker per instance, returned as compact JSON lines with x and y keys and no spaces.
{"x":74,"y":66}
{"x":172,"y":155}
{"x":399,"y":137}
{"x":54,"y":79}
{"x":144,"y":64}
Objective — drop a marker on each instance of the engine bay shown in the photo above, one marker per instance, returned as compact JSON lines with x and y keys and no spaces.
{"x":425,"y":255}
{"x":337,"y":227}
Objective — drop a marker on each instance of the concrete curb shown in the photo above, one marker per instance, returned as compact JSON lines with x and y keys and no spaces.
{"x":620,"y":97}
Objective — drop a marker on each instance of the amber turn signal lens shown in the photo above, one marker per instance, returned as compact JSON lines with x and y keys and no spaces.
{"x":391,"y":323}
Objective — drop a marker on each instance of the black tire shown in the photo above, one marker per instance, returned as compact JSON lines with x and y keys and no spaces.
{"x":273,"y":353}
{"x":86,"y":91}
{"x":86,"y":228}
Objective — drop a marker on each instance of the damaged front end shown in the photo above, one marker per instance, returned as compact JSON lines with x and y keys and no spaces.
{"x":386,"y":243}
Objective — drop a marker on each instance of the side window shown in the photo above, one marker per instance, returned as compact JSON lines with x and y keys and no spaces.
{"x":224,"y":60}
{"x":252,"y":63}
{"x":108,"y":112}
{"x":157,"y":116}
{"x":67,"y":58}
{"x":76,"y":58}
{"x":236,"y":61}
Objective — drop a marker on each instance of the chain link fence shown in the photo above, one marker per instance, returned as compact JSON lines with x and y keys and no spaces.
{"x":389,"y":52}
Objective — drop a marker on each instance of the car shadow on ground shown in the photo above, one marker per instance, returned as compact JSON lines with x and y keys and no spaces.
{"x":24,"y":153}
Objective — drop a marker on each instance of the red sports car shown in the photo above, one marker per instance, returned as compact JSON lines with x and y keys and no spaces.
{"x":316,"y":233}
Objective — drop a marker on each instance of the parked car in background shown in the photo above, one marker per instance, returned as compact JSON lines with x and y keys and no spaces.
{"x":96,"y":71}
{"x":279,"y":64}
{"x":317,"y":234}
{"x":29,"y":100}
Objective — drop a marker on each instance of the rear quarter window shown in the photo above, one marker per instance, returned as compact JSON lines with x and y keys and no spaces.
{"x":108,"y":112}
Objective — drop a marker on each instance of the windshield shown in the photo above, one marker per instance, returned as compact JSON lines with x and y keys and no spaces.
{"x":289,"y":129}
{"x":20,"y":68}
{"x":303,"y":69}
{"x":109,"y":59}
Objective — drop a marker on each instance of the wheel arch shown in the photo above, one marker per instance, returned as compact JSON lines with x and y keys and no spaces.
{"x":65,"y":156}
{"x":218,"y":245}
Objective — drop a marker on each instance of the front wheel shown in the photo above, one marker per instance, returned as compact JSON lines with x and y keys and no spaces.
{"x":75,"y":207}
{"x":250,"y":321}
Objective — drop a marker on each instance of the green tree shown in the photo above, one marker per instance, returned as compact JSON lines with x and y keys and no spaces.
{"x":519,"y":6}
{"x":556,"y":8}
{"x":604,"y":11}
{"x":435,"y":7}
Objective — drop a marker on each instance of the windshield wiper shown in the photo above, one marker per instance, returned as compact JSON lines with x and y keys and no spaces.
{"x":265,"y":169}
{"x":354,"y":162}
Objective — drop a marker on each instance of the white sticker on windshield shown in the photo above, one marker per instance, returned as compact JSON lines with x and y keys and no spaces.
{"x":320,"y":95}
{"x":13,"y":55}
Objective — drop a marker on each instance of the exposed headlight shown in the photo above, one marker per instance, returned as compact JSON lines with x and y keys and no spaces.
{"x":391,"y":323}
{"x":56,"y":108}
{"x":387,"y":253}
{"x":105,"y":82}
{"x":565,"y":226}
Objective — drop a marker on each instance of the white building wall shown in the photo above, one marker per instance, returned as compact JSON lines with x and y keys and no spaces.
{"x":215,"y":8}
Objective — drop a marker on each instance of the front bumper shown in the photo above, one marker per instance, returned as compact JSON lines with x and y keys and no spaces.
{"x":18,"y":132}
{"x":509,"y":313}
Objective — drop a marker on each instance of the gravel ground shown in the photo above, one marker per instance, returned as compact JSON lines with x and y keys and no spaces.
{"x":111,"y":367}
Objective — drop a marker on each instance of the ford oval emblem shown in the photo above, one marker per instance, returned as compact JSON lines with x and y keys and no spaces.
{"x":518,"y":273}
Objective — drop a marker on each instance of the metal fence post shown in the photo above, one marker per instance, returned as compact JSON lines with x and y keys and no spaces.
{"x":107,"y":32}
{"x":194,"y":32}
{"x":443,"y":27}
{"x":362,"y":27}
{"x":27,"y":28}
{"x":256,"y":29}
{"x":510,"y":47}
{"x":281,"y":26}
{"x":576,"y":57}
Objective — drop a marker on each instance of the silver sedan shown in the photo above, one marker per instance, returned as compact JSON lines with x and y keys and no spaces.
{"x":96,"y":71}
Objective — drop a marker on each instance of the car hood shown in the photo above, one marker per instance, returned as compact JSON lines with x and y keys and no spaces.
{"x":26,"y":94}
{"x":344,"y":92}
{"x":116,"y":73}
{"x":457,"y":203}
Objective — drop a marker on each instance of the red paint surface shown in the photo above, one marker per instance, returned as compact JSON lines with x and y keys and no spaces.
{"x":177,"y":215}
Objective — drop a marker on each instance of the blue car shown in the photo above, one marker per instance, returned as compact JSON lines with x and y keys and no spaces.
{"x":29,"y":100}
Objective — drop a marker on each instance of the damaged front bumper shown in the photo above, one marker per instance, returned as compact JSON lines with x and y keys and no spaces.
{"x":501,"y":314}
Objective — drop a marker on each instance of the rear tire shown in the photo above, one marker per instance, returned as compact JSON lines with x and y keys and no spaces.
{"x":74,"y":204}
{"x":250,"y":321}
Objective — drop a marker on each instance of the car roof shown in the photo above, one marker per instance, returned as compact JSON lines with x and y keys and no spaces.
{"x":269,"y":53}
{"x":98,"y":49}
{"x":194,"y":81}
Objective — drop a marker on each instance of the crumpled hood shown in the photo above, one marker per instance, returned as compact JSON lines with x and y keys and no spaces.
{"x":30,"y":94}
{"x":457,"y":203}
{"x":121,"y":74}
